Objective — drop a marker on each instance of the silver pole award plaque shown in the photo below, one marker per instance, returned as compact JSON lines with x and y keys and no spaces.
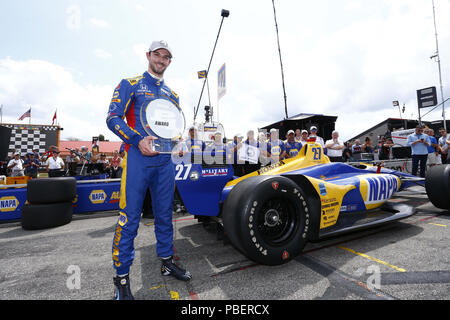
{"x":164,"y":120}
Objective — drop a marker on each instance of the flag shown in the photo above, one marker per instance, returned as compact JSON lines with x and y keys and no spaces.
{"x":54,"y":118}
{"x":202,"y":74}
{"x":26,"y":114}
{"x":221,"y":82}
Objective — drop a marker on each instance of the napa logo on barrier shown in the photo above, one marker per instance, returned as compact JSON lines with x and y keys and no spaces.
{"x":97,"y":196}
{"x":380,"y":188}
{"x":8,"y":204}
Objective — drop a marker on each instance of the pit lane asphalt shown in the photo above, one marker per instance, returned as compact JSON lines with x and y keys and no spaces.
{"x":406,"y":260}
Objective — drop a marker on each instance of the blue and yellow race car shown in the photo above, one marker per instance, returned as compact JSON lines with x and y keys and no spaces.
{"x":270,"y":214}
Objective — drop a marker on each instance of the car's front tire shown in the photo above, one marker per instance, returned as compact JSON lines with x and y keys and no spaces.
{"x":267,"y":218}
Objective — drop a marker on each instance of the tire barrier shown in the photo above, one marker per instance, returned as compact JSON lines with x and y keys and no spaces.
{"x":43,"y":216}
{"x":49,"y":203}
{"x":51,"y":190}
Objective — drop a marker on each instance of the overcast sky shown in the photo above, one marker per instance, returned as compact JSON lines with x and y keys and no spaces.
{"x":346,"y":58}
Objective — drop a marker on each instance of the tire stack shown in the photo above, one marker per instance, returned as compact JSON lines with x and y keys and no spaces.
{"x":49,"y":203}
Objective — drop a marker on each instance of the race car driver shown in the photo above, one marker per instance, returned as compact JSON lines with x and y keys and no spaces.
{"x":143,"y":168}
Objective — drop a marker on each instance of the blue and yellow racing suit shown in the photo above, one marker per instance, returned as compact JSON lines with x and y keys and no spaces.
{"x":275,"y":148}
{"x":126,"y":118}
{"x":292,"y":148}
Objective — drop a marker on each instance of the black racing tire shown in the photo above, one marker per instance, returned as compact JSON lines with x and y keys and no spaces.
{"x":43,"y":216}
{"x":267,"y":218}
{"x":437,"y":185}
{"x":51,"y":190}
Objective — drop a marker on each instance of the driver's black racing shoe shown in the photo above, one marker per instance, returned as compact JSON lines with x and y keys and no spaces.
{"x":169,"y":268}
{"x":123,"y":291}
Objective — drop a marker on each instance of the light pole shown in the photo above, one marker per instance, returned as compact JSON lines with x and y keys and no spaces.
{"x":281,"y":61}
{"x":224,"y":14}
{"x":439,"y":66}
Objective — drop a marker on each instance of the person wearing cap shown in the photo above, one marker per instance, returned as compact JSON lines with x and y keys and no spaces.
{"x":194,"y":146}
{"x":275,"y":147}
{"x":304,"y":137}
{"x":217,"y":152}
{"x":335,"y":147}
{"x":86,"y":155}
{"x":31,"y":165}
{"x":55,"y":165}
{"x":292,"y":147}
{"x":143,"y":168}
{"x":16,"y":166}
{"x":319,"y":140}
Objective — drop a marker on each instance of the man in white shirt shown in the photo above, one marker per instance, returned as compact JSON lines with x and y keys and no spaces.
{"x":16,"y":166}
{"x":55,"y":165}
{"x":335,"y":148}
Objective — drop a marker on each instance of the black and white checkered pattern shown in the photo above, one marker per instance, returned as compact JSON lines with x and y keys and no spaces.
{"x":26,"y":138}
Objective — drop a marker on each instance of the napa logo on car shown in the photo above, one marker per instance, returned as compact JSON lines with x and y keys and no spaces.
{"x":9,"y":203}
{"x":377,"y":189}
{"x":97,"y":196}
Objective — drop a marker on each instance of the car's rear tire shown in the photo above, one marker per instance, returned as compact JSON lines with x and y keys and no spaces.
{"x":437,"y":185}
{"x":43,"y":216}
{"x":267,"y":218}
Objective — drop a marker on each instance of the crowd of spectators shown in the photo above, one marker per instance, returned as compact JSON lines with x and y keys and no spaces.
{"x":427,"y":150}
{"x":246,"y":154}
{"x":32,"y":163}
{"x":273,"y":148}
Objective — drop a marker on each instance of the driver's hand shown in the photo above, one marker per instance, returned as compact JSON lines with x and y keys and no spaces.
{"x":145,"y":146}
